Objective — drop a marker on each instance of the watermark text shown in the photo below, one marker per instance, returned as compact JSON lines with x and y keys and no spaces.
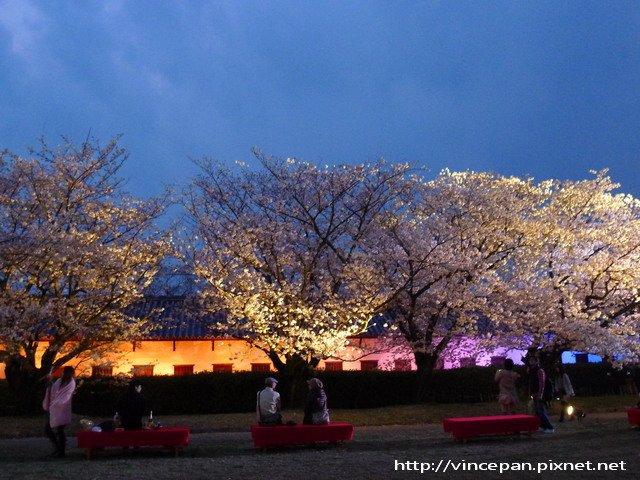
{"x":443,"y":466}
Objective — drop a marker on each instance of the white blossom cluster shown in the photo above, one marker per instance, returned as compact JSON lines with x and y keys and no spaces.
{"x":75,"y":251}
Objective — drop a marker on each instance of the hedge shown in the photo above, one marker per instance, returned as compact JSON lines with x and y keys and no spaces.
{"x":190,"y":394}
{"x":205,"y":393}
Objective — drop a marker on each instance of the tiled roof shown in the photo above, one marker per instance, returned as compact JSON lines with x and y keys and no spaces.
{"x":175,"y":318}
{"x":179,"y":318}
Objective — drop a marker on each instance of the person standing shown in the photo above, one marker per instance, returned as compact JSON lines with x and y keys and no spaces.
{"x":57,"y":403}
{"x":315,"y":409}
{"x":537,"y":378}
{"x":506,"y":379}
{"x":268,"y":407}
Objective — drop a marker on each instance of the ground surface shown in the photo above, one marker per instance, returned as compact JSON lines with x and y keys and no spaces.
{"x":373,"y":454}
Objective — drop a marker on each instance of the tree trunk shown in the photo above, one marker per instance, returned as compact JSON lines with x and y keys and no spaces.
{"x":426,"y":364}
{"x":27,"y":384}
{"x":294,"y":373}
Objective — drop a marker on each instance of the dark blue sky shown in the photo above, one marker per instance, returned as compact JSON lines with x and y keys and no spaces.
{"x":550,"y":89}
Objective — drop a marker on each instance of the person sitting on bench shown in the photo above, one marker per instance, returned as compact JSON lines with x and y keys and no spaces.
{"x":268,"y":408}
{"x":315,"y":409}
{"x":131,"y":407}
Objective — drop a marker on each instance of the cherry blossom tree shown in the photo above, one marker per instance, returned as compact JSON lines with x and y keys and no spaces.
{"x":551,"y":266}
{"x":446,"y":255}
{"x":279,"y":249}
{"x":576,"y":282}
{"x":75,"y":251}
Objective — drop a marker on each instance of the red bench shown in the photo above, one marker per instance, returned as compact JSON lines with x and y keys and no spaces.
{"x":288,"y":435}
{"x":463,"y":428}
{"x":171,"y":438}
{"x":633,"y":415}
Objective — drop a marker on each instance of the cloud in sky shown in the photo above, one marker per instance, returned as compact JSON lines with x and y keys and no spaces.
{"x":26,"y":27}
{"x":544,"y":88}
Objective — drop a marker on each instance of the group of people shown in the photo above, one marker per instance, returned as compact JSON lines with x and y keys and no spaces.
{"x":131,"y":407}
{"x":57,"y":404}
{"x":560,"y":387}
{"x":269,"y":407}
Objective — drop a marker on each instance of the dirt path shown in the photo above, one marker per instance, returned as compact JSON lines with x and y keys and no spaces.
{"x":375,"y":453}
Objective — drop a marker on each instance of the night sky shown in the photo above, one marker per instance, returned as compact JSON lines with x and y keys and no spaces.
{"x":549,"y":89}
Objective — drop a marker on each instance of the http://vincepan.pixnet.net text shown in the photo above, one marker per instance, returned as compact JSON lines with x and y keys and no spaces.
{"x":449,"y":466}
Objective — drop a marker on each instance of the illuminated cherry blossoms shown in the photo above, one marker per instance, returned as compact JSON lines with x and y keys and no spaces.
{"x":75,"y":250}
{"x":299,"y":258}
{"x":280,"y":250}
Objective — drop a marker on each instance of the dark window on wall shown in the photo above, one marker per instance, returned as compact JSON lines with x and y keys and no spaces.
{"x":143,"y":370}
{"x":402,"y":365}
{"x":498,"y":361}
{"x":333,"y":366}
{"x":582,"y":358}
{"x":467,"y":362}
{"x":260,"y":367}
{"x":222,"y":367}
{"x":368,"y":364}
{"x":101,"y":371}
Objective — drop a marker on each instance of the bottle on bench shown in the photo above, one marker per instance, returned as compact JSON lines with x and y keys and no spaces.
{"x":150,"y":423}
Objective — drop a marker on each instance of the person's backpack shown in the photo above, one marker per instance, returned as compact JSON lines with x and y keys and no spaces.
{"x":547,"y":394}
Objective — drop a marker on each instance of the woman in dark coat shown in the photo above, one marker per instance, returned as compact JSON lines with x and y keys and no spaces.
{"x":131,"y":407}
{"x":315,"y":409}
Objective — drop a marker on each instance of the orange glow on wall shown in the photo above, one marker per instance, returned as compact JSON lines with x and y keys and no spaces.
{"x":166,"y":357}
